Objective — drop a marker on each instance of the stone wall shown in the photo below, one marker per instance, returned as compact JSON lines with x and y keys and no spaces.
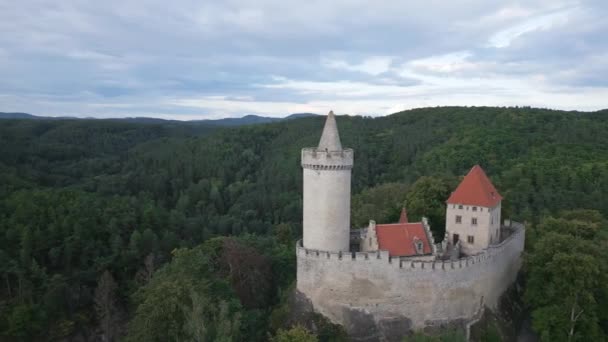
{"x":342,"y":285}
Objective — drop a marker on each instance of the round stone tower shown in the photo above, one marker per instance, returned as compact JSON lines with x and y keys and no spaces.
{"x":327,"y":170}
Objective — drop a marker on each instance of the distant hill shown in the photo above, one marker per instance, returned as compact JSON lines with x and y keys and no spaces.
{"x":300,"y":115}
{"x":245,"y":120}
{"x":253,"y":119}
{"x":17,"y":116}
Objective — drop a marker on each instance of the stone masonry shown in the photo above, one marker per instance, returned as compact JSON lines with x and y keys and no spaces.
{"x":426,"y":293}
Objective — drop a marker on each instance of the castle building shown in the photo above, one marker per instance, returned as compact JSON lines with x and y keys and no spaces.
{"x":400,"y":279}
{"x":401,"y":239}
{"x":473,"y":213}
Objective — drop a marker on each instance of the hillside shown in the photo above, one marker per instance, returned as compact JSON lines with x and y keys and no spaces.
{"x":229,"y":122}
{"x":82,"y":197}
{"x":17,"y":116}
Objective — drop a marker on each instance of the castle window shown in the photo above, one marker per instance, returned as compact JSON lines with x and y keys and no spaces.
{"x":370,"y":241}
{"x":492,"y":218}
{"x":460,"y":206}
{"x":474,"y":221}
{"x":474,"y":208}
{"x":419,"y":246}
{"x":458,"y":219}
{"x":470,"y":239}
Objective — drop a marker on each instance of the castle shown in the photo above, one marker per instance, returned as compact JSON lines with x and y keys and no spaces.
{"x":394,"y":277}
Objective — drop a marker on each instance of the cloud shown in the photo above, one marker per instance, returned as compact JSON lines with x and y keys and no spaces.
{"x":505,"y":37}
{"x":373,"y":65}
{"x":233,"y":57}
{"x":344,"y":89}
{"x":448,"y":63}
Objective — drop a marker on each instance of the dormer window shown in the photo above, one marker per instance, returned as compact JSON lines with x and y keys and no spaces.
{"x":474,"y":208}
{"x":419,"y":246}
{"x":460,"y":206}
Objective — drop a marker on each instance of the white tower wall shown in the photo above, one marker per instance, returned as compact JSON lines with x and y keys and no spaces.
{"x":327,"y":209}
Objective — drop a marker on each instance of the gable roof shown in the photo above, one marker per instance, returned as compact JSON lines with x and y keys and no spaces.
{"x":398,"y":238}
{"x":475,"y":189}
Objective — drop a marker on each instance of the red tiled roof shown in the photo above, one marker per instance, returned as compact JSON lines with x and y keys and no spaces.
{"x":475,"y":189}
{"x":398,"y":238}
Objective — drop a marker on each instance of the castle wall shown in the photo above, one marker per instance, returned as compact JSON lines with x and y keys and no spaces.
{"x":424,"y":292}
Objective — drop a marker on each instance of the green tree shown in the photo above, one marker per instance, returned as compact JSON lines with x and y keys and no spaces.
{"x":135,"y":243}
{"x":106,"y":306}
{"x":449,"y":336}
{"x":381,"y":203}
{"x":25,"y":321}
{"x":187,"y":298}
{"x":227,"y":324}
{"x":566,"y":281}
{"x":295,"y":334}
{"x":427,"y":197}
{"x":78,"y":196}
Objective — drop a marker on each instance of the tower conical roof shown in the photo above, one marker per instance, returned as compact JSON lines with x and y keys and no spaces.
{"x":476,"y":189}
{"x":330,"y":139}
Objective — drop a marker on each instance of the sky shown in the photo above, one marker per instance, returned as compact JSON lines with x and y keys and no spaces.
{"x":193,"y":59}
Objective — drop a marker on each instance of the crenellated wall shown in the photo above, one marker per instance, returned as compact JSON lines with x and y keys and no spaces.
{"x":314,"y":158}
{"x":425,"y":293}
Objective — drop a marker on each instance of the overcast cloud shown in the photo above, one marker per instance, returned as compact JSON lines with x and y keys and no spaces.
{"x":187,"y":59}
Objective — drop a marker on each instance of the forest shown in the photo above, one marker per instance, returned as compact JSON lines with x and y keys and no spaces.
{"x":117,"y":230}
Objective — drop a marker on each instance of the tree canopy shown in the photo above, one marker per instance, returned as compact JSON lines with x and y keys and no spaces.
{"x":99,"y":218}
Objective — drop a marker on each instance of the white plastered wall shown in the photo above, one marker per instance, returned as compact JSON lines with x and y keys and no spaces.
{"x":484,"y":233}
{"x":326,"y":221}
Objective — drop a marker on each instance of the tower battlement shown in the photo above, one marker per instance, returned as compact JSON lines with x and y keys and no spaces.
{"x":313,"y":158}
